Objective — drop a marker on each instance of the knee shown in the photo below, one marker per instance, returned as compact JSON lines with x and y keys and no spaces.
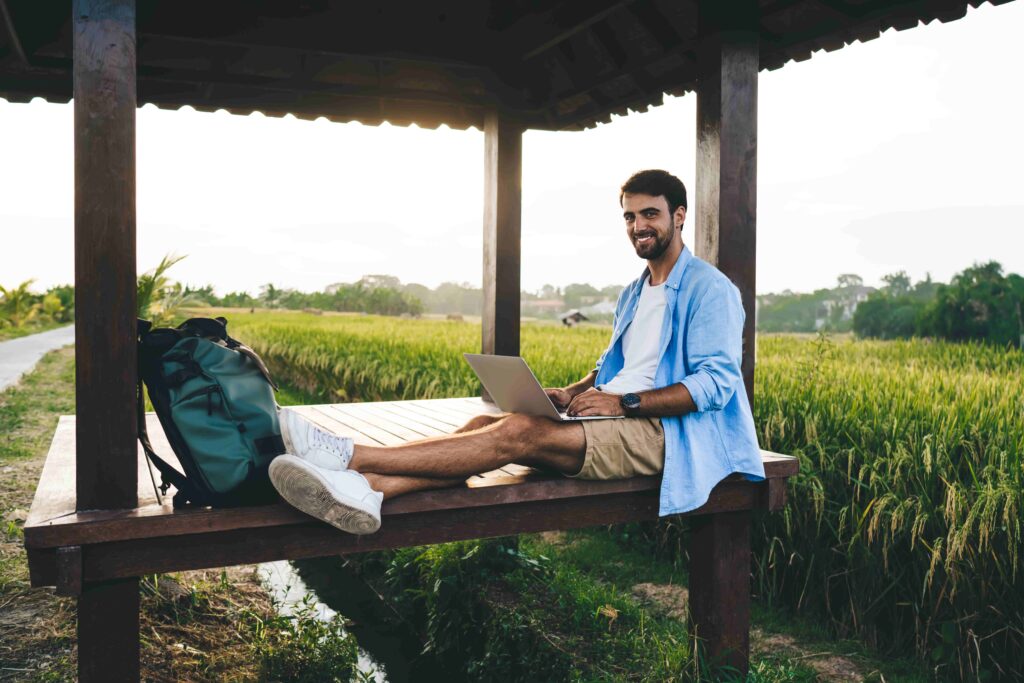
{"x":520,"y":431}
{"x":479,"y":422}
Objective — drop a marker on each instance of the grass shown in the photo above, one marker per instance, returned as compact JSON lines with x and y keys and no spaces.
{"x":10,"y":332}
{"x":203,"y":625}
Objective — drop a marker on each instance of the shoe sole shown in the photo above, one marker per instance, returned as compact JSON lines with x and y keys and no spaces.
{"x":307,"y":491}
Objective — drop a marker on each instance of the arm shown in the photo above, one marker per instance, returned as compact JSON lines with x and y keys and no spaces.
{"x":674,"y":399}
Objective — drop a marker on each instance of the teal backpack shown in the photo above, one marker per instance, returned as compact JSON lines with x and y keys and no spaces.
{"x":215,"y":401}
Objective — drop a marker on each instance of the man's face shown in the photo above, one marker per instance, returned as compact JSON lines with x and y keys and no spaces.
{"x":649,"y":224}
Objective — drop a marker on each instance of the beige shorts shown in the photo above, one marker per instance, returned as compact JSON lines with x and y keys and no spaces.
{"x":620,"y":449}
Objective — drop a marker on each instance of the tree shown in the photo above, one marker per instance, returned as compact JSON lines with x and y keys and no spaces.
{"x":897,"y":284}
{"x":850,"y":280}
{"x":269,"y":295}
{"x":980,"y":303}
{"x":158,"y":299}
{"x":18,"y":303}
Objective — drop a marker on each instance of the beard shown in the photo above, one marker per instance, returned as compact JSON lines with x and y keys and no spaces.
{"x":655,"y":248}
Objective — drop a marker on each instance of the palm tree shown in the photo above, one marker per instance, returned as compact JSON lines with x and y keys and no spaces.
{"x":157,"y":298}
{"x":17,"y":303}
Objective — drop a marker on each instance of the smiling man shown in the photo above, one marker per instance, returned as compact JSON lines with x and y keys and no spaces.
{"x":672,"y":370}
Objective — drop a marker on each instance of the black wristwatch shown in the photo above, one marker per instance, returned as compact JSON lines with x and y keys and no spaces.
{"x":629,"y":401}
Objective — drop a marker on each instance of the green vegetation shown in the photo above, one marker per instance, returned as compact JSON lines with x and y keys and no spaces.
{"x":23,"y":312}
{"x":591,"y":605}
{"x":903,"y":526}
{"x":341,"y":358}
{"x":980,"y":304}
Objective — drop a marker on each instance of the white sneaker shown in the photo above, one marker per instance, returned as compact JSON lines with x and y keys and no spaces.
{"x":342,"y":498}
{"x":311,"y":442}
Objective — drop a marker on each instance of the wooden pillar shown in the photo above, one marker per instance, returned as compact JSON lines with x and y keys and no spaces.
{"x":106,"y":454}
{"x":104,"y":92}
{"x":726,"y":179}
{"x":503,"y":188}
{"x":720,"y":589}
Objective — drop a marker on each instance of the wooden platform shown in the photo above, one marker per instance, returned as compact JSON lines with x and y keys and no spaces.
{"x":155,"y":538}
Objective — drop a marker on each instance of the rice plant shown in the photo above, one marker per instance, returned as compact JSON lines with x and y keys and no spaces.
{"x":904,"y":524}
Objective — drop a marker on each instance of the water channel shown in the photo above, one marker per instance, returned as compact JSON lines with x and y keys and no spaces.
{"x":389,"y":648}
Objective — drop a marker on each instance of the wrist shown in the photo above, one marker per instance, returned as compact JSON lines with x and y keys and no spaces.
{"x":630,"y":403}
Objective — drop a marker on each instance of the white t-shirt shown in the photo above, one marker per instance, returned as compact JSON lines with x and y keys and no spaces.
{"x":641,"y":344}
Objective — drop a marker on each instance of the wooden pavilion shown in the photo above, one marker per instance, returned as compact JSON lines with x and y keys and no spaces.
{"x":503,"y":66}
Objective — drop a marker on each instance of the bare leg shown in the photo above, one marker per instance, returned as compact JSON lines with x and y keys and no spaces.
{"x":525,"y":439}
{"x":392,"y":486}
{"x":479,"y":422}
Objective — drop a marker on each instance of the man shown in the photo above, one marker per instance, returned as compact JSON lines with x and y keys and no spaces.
{"x":672,"y":368}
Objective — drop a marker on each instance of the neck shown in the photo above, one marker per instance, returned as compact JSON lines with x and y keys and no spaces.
{"x":662,"y":266}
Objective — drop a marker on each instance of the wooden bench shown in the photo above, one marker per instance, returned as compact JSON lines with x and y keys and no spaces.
{"x":70,"y":549}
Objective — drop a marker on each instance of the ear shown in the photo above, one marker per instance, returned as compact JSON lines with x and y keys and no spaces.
{"x":679,"y":217}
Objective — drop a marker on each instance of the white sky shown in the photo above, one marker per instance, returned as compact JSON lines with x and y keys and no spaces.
{"x":901,"y":153}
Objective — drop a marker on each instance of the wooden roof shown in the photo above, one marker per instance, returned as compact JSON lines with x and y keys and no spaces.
{"x":557,"y":64}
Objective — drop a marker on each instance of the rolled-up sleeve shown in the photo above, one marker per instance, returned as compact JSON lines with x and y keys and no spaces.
{"x":714,"y":346}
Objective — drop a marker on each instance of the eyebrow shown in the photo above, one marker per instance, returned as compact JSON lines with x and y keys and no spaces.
{"x":626,"y":214}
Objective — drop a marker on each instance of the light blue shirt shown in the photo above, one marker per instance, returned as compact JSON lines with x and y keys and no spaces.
{"x":701,"y":347}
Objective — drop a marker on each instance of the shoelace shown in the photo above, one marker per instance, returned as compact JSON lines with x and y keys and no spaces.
{"x":330,"y":443}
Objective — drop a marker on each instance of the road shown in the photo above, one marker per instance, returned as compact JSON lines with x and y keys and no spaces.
{"x":19,"y":356}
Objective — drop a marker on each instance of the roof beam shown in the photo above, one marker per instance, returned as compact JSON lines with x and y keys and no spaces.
{"x":598,"y":10}
{"x":12,"y":33}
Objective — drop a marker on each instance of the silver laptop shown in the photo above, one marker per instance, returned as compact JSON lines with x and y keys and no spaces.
{"x":514,"y":387}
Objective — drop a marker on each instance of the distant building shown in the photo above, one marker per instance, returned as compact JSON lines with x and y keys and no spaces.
{"x":841,"y":305}
{"x":572,"y":318}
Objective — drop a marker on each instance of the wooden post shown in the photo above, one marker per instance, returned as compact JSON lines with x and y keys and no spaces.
{"x":720,"y":588}
{"x":726,"y":199}
{"x":726,"y":178}
{"x":107,"y":453}
{"x":503,"y":187}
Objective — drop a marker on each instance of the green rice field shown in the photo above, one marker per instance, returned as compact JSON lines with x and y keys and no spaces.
{"x":904,"y":525}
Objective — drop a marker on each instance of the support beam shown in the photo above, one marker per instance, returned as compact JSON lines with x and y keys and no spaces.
{"x":104,"y":92}
{"x":503,"y":186}
{"x":726,"y":181}
{"x":108,"y":632}
{"x":720,"y":589}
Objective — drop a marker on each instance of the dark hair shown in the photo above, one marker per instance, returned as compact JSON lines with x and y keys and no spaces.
{"x":657,"y":184}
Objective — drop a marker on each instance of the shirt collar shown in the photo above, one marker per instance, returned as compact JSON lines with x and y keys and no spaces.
{"x":676,"y":276}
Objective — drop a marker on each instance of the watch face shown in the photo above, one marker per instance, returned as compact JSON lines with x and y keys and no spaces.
{"x":630,"y":401}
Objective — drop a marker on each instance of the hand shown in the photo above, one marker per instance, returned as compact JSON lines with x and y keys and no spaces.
{"x":560,"y":397}
{"x":594,"y":402}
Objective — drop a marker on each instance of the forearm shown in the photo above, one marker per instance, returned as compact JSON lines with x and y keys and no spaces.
{"x":581,"y":386}
{"x":674,"y":399}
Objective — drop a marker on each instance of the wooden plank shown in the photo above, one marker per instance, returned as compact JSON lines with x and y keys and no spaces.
{"x":104,"y":102}
{"x":55,"y":494}
{"x":720,"y":587}
{"x":333,"y":421}
{"x":391,"y":423}
{"x":429,"y":413}
{"x":503,"y":159}
{"x":460,"y":417}
{"x":405,"y":412}
{"x":344,"y":415}
{"x":726,"y":182}
{"x":100,"y":526}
